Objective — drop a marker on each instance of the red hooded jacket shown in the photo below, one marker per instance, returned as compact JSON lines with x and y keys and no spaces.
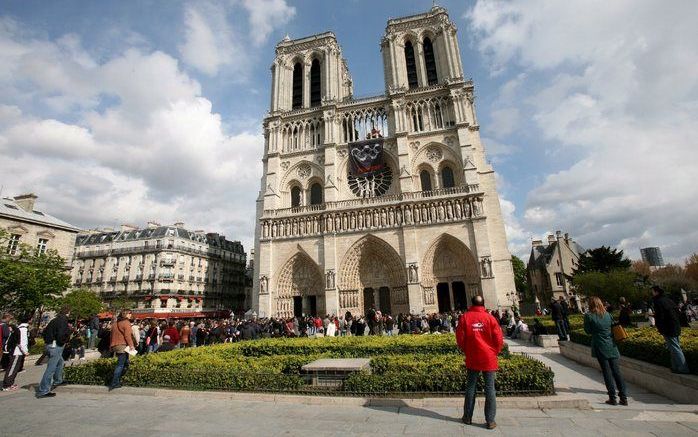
{"x":479,"y":336}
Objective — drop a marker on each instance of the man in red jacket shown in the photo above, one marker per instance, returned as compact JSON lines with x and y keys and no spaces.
{"x":479,"y":336}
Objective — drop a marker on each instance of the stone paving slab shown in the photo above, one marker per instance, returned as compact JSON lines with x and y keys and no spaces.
{"x":106,"y":414}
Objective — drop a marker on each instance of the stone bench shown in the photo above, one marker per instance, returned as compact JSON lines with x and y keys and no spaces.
{"x":547,"y":340}
{"x":657,"y":379}
{"x":526,"y":336}
{"x":331,"y":372}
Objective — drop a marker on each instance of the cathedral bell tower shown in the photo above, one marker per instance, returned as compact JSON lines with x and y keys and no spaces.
{"x":384,"y":201}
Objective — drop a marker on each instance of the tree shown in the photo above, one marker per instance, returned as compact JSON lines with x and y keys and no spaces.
{"x":83,"y":303}
{"x":641,"y":268}
{"x":29,"y":280}
{"x":673,"y":278}
{"x":611,"y":286}
{"x":602,"y":259}
{"x":691,"y":267}
{"x":520,"y":276}
{"x":121,"y":303}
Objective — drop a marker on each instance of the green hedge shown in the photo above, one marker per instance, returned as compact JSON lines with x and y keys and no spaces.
{"x":367,"y":346}
{"x":447,"y":373}
{"x":400,"y":364}
{"x":646,"y":344}
{"x":576,"y":321}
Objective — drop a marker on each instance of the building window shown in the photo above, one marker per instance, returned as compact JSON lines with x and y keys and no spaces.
{"x":316,"y":194}
{"x":558,"y":279}
{"x":411,"y":66}
{"x":425,"y":179}
{"x":315,"y":84}
{"x":13,"y":244}
{"x":429,"y":62}
{"x":297,"y":101}
{"x":295,"y":197}
{"x":42,"y":246}
{"x":447,"y":178}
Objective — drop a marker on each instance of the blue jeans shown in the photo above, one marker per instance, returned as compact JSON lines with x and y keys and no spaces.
{"x":678,"y":360}
{"x":490,"y":395}
{"x":611,"y":374}
{"x":120,"y":370}
{"x":561,"y":330}
{"x":53,"y":375}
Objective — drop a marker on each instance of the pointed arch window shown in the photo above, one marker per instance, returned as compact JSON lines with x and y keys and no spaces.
{"x":315,"y":194}
{"x":315,"y":84}
{"x":447,"y":180}
{"x":295,"y":197}
{"x":411,"y":66}
{"x":430,"y":62}
{"x":425,"y":179}
{"x":297,"y":101}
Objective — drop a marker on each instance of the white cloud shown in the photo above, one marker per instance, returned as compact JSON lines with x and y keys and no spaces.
{"x":137,"y":142}
{"x":617,"y":84}
{"x":265,"y":16}
{"x":210,"y":42}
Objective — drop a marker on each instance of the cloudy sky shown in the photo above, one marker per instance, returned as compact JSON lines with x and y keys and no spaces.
{"x":123,"y":111}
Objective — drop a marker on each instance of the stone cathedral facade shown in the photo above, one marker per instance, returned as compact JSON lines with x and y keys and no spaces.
{"x":423,"y":234}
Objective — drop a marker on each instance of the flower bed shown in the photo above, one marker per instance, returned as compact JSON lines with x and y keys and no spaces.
{"x":646,"y":344}
{"x":404,"y":364}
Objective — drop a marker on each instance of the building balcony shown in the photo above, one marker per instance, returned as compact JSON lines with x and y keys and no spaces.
{"x":112,"y":279}
{"x":166,"y":277}
{"x":168,"y":262}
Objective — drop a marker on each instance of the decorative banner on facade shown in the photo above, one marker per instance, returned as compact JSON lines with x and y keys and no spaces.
{"x":366,"y":156}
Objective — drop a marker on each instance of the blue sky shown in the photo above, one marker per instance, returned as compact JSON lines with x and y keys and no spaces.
{"x":124,"y":112}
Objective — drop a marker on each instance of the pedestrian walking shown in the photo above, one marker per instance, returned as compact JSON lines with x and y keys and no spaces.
{"x":479,"y":336}
{"x":598,"y":323}
{"x":18,"y":344}
{"x":56,"y":335}
{"x":93,"y":329}
{"x":556,"y":312}
{"x":5,"y":332}
{"x":121,"y":338}
{"x":666,"y":315}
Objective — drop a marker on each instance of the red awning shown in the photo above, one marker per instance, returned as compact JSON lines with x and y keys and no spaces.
{"x":105,"y":315}
{"x":188,"y":315}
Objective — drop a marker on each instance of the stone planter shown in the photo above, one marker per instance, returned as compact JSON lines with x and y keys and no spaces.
{"x":679,"y":388}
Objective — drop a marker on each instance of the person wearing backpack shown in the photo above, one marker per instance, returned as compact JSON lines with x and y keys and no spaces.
{"x":18,"y":343}
{"x":56,"y":335}
{"x":4,"y":335}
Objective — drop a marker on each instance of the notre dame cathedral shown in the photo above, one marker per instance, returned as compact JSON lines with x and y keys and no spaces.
{"x":423,"y":231}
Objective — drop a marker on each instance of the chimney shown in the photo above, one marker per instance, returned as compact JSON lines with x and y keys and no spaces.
{"x":199,"y":232}
{"x":567,"y":238}
{"x":125,"y":227}
{"x":26,"y":201}
{"x":534,"y":243}
{"x":558,"y":234}
{"x":153,"y":225}
{"x":551,"y":238}
{"x":179,"y":225}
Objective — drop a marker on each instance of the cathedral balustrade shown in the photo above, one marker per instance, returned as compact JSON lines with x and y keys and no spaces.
{"x":420,"y":208}
{"x":368,"y":201}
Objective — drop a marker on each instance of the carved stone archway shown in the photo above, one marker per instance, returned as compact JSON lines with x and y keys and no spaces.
{"x":299,"y":277}
{"x":372,"y":263}
{"x":449,"y":261}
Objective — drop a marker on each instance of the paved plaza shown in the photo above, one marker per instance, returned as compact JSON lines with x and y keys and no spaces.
{"x":139,"y":412}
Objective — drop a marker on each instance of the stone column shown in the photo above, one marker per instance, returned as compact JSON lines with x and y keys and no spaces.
{"x":306,"y":85}
{"x":421,"y":65}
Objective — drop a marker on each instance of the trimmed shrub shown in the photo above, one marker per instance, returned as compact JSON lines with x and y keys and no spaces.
{"x":646,"y":344}
{"x":429,"y":363}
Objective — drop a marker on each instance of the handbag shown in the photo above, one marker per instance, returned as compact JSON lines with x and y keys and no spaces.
{"x":619,"y":333}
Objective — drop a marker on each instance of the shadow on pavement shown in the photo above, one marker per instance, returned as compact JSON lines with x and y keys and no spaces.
{"x":400,"y":407}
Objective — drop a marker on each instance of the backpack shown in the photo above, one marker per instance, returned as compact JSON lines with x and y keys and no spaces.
{"x":12,"y":340}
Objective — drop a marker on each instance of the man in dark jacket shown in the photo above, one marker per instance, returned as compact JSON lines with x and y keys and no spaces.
{"x":666,"y":316}
{"x":558,"y":317}
{"x":55,"y":336}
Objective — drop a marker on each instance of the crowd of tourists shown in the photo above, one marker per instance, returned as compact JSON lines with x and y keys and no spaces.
{"x":479,"y":334}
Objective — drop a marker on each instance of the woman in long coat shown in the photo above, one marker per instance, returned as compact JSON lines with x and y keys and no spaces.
{"x":598,"y":322}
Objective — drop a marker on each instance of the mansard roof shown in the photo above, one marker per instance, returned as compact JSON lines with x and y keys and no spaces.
{"x":9,"y":208}
{"x":210,"y":239}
